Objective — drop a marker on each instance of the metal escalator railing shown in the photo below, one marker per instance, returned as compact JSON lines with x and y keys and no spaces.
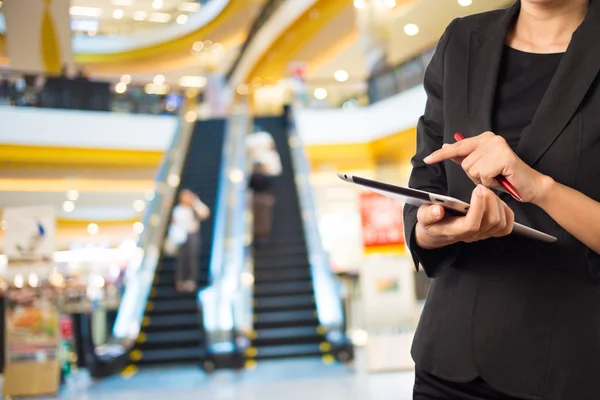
{"x":218,"y":300}
{"x":327,"y":290}
{"x":108,"y":358}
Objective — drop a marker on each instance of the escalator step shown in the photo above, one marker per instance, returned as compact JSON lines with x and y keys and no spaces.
{"x":282,"y":289}
{"x":295,"y":333}
{"x":288,"y":351}
{"x":176,"y":355}
{"x":173,"y":322}
{"x":284,"y":303}
{"x":282,"y":275}
{"x":181,"y":338}
{"x":285,"y":318}
{"x":183,"y":305}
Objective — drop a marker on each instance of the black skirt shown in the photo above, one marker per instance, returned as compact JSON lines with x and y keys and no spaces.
{"x":430,"y":387}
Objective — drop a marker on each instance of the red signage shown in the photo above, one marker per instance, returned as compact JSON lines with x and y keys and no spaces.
{"x":381,"y":219}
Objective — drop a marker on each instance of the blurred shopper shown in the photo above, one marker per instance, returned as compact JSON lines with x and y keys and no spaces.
{"x":185,"y":230}
{"x":509,"y":317}
{"x":263,"y":199}
{"x":261,"y":148}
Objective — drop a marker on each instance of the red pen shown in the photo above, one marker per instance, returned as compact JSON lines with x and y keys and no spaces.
{"x":501,"y":179}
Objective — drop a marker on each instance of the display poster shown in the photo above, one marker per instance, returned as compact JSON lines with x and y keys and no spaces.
{"x":29,"y":234}
{"x":32,"y":338}
{"x":381,"y":220}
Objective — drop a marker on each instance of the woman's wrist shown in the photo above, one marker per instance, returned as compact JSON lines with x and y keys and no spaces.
{"x":545,"y":188}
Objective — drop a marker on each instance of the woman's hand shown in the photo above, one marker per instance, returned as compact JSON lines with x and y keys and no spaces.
{"x":487,"y":217}
{"x":486,"y":156}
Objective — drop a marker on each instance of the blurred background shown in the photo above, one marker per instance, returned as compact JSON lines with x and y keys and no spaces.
{"x":298,"y":281}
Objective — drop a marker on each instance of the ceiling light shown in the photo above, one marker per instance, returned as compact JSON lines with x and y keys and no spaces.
{"x":390,"y":3}
{"x":217,"y":47}
{"x":411,"y":29}
{"x":173,"y":179}
{"x":159,"y":79}
{"x":138,"y":227}
{"x":118,"y":13}
{"x":243,"y":89}
{"x":198,"y":46}
{"x":72,"y":195}
{"x":190,"y":117}
{"x":123,"y":3}
{"x":320,"y":94}
{"x":121,"y":87}
{"x":208,"y":43}
{"x":188,"y":6}
{"x":153,"y":88}
{"x":139,"y":205}
{"x":93,"y":229}
{"x":341,"y":75}
{"x":85,"y":11}
{"x":149,"y":194}
{"x":182,"y":19}
{"x":68,"y":206}
{"x":18,"y":281}
{"x":140,"y":15}
{"x":34,"y":281}
{"x":158,"y":4}
{"x":160,"y":17}
{"x":193,"y":81}
{"x":465,"y":3}
{"x":126,"y":79}
{"x":360,"y":4}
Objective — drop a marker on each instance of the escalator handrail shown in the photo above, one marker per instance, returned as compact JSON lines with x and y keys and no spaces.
{"x":327,"y":293}
{"x":217,"y":300}
{"x":109,"y":358}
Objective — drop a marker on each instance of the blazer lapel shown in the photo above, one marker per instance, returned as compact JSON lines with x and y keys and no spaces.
{"x":575,"y":75}
{"x":486,"y":45}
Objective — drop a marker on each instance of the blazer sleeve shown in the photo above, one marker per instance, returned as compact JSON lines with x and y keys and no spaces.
{"x":431,"y":178}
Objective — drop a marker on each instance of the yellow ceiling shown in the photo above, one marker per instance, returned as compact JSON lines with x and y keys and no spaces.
{"x":18,"y":154}
{"x":276,"y":58}
{"x":227,"y":28}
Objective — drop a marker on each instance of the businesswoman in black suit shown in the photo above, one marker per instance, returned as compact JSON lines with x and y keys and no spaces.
{"x":509,"y":317}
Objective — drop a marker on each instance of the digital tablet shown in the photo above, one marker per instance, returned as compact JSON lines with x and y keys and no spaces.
{"x":419,"y":197}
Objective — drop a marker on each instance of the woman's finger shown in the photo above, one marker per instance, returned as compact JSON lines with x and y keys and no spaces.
{"x":455,"y":150}
{"x":428,"y":215}
{"x":471,"y":224}
{"x":499,"y":229}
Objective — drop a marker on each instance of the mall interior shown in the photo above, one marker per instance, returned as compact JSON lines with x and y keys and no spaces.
{"x":109,"y":108}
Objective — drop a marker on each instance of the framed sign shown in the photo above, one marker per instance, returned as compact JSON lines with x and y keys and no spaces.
{"x":381,"y":220}
{"x":29,"y":234}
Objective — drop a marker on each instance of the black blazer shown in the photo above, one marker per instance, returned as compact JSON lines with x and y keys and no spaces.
{"x":523,"y":315}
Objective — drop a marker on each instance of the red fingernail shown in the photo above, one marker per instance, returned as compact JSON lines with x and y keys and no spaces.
{"x":458,"y":136}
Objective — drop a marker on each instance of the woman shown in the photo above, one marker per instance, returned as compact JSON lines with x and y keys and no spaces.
{"x":187,"y":216}
{"x":508,"y":317}
{"x":261,"y":184}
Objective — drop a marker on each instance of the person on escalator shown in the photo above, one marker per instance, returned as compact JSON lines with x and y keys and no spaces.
{"x":261,"y":148}
{"x":263,"y":199}
{"x":186,"y":220}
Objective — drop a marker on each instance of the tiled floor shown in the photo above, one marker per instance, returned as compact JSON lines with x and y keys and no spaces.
{"x":281,"y":380}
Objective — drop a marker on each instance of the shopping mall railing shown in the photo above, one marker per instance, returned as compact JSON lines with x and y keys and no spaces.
{"x":391,"y":80}
{"x":327,"y":290}
{"x":106,"y":359}
{"x":29,"y":90}
{"x":219,"y":302}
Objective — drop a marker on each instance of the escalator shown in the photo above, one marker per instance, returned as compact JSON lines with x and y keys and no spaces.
{"x":286,"y":323}
{"x":171,"y":328}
